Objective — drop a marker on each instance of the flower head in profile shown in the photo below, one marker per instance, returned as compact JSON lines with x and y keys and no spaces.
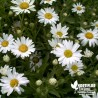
{"x":5,"y":69}
{"x":47,"y":16}
{"x":22,"y":6}
{"x":23,"y":47}
{"x":12,"y":82}
{"x":6,"y":42}
{"x":68,"y":52}
{"x":88,"y":53}
{"x":78,"y":8}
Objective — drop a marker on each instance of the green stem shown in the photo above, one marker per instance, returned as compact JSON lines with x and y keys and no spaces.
{"x":21,"y":21}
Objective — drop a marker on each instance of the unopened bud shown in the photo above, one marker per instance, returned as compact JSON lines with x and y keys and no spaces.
{"x":55,"y":62}
{"x":10,"y":13}
{"x":52,"y":81}
{"x":18,"y":31}
{"x":6,"y":58}
{"x":96,"y":72}
{"x":38,"y":82}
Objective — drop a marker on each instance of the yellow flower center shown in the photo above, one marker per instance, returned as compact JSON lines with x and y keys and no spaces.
{"x":35,"y":60}
{"x":24,"y":5}
{"x":68,"y":53}
{"x":79,"y":8}
{"x":89,"y":35}
{"x":59,"y":34}
{"x":23,"y":48}
{"x":14,"y":83}
{"x":48,"y":16}
{"x":96,"y":25}
{"x":57,"y":45}
{"x":74,"y":67}
{"x":5,"y":43}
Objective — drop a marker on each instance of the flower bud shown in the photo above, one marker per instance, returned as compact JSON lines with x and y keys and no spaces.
{"x":5,"y":25}
{"x":65,"y":14}
{"x":31,"y":25}
{"x":94,"y":14}
{"x":85,"y":23}
{"x":38,"y":90}
{"x":97,"y":57}
{"x":96,"y":72}
{"x":6,"y":58}
{"x":18,"y":31}
{"x":38,"y":82}
{"x":10,"y":13}
{"x":55,"y":62}
{"x":52,"y":81}
{"x":26,"y":23}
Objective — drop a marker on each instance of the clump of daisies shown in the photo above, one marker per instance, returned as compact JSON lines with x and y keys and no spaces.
{"x":47,"y":1}
{"x":23,"y":47}
{"x":78,"y":8}
{"x":22,"y":6}
{"x":35,"y":60}
{"x":68,"y":52}
{"x":48,"y":16}
{"x":13,"y":82}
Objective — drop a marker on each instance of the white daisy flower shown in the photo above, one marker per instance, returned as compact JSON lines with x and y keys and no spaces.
{"x":47,"y":15}
{"x":54,"y":43}
{"x":6,"y":43}
{"x":22,"y":6}
{"x":78,"y":8}
{"x":12,"y":82}
{"x":88,"y":53}
{"x":89,"y":36}
{"x":95,"y":24}
{"x":74,"y":67}
{"x":35,"y":60}
{"x":59,"y":31}
{"x":23,"y":47}
{"x":68,"y":53}
{"x":47,"y":1}
{"x":5,"y":69}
